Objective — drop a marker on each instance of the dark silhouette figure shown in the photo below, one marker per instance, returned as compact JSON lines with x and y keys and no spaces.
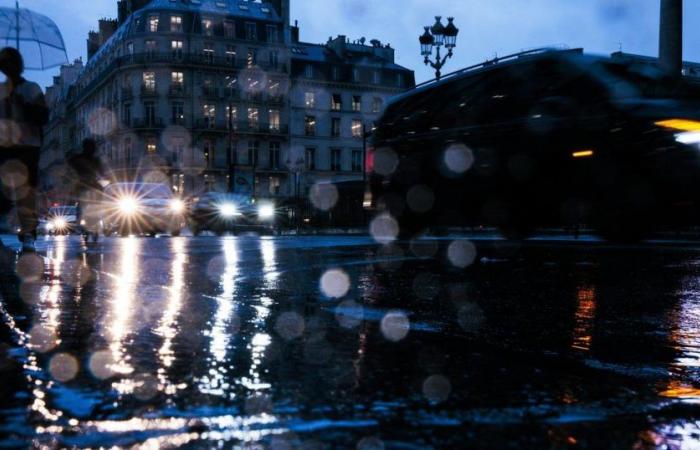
{"x":23,"y":114}
{"x":89,"y":174}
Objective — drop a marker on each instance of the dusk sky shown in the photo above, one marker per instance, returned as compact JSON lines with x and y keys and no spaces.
{"x":487,"y":28}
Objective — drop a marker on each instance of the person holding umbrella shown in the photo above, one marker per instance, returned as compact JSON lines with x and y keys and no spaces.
{"x":23,"y":114}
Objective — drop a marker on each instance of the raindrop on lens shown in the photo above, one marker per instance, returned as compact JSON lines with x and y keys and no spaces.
{"x":335,"y":283}
{"x":395,"y":326}
{"x":420,"y":199}
{"x":290,"y":325}
{"x":324,"y":196}
{"x":437,"y":388}
{"x":458,"y":159}
{"x":461,"y":254}
{"x":470,"y":317}
{"x":349,"y":314}
{"x":63,"y":367}
{"x":30,"y":292}
{"x":42,"y":339}
{"x":145,"y":386}
{"x":14,"y":174}
{"x":385,"y":161}
{"x":384,"y":229}
{"x":101,"y":363}
{"x":390,"y":257}
{"x":30,"y":267}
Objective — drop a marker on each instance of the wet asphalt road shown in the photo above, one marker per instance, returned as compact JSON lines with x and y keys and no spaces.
{"x":338,"y":342}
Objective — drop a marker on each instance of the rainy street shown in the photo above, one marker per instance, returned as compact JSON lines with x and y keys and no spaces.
{"x":338,"y":342}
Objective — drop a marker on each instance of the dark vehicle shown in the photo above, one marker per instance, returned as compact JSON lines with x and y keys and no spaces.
{"x":543,"y":138}
{"x":232,"y":213}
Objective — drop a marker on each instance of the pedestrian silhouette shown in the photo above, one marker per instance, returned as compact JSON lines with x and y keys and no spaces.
{"x":90,"y":179}
{"x":23,"y":114}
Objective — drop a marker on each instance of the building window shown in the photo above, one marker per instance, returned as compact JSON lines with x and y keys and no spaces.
{"x":151,"y":48}
{"x":335,"y":127}
{"x":128,"y":150}
{"x":176,"y":47}
{"x":151,"y":146}
{"x":176,"y":24}
{"x":208,"y":87}
{"x":310,"y":158}
{"x":337,"y":102}
{"x":273,"y":89}
{"x":253,"y":147}
{"x":310,"y":99}
{"x":336,"y":155}
{"x":309,"y":71}
{"x":310,"y":125}
{"x":399,"y":80}
{"x":377,"y":104}
{"x":274,"y":155}
{"x":153,"y":20}
{"x":356,"y":103}
{"x":336,"y":73}
{"x":209,"y":116}
{"x":253,"y":118}
{"x":377,"y":77}
{"x":130,"y":48}
{"x":207,"y":27}
{"x":357,"y":128}
{"x":231,"y":54}
{"x":126,"y":114}
{"x":231,"y":117}
{"x":178,"y":113}
{"x":177,"y":80}
{"x":356,"y":75}
{"x":251,"y":31}
{"x":275,"y":184}
{"x":274,"y":58}
{"x":178,"y":148}
{"x":229,"y":29}
{"x":252,"y":58}
{"x":150,"y":113}
{"x":208,"y":150}
{"x":208,"y":52}
{"x":149,"y":81}
{"x":357,"y":160}
{"x":274,"y":116}
{"x":272,"y":34}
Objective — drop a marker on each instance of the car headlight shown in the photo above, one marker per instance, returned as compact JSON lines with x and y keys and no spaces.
{"x":689,"y":130}
{"x":177,"y":206}
{"x":83,"y":223}
{"x":60,"y":223}
{"x":50,"y":226}
{"x":229,"y":210}
{"x":266,"y":211}
{"x":128,"y":205}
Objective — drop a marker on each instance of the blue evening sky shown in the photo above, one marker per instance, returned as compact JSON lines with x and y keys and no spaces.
{"x":488,"y":27}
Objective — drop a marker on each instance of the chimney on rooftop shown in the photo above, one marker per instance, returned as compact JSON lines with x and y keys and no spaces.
{"x":671,"y":36}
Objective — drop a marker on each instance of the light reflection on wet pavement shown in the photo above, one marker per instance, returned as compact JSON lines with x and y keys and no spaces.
{"x":336,"y":342}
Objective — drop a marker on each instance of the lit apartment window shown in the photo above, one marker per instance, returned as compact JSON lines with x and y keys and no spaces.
{"x":356,"y":103}
{"x":231,"y":117}
{"x":310,"y":125}
{"x":274,"y":116}
{"x":357,"y":128}
{"x":336,"y":154}
{"x":151,"y":147}
{"x":208,"y":52}
{"x":310,"y":158}
{"x":176,"y":24}
{"x":253,"y":118}
{"x":207,"y":27}
{"x":272,"y":34}
{"x":178,"y":113}
{"x":176,"y":47}
{"x":274,"y":155}
{"x":209,"y":116}
{"x":251,"y":31}
{"x":153,"y":20}
{"x":149,"y":81}
{"x":357,"y":160}
{"x":337,"y":102}
{"x":310,"y":99}
{"x":229,"y":29}
{"x":377,"y":104}
{"x":335,"y":127}
{"x":231,"y":54}
{"x":177,"y":79}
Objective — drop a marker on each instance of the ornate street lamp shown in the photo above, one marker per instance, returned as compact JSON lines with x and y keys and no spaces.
{"x":437,"y":36}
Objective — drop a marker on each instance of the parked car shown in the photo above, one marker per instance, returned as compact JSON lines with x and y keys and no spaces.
{"x":233,"y":213}
{"x":60,"y":220}
{"x":142,"y":208}
{"x":541,"y":139}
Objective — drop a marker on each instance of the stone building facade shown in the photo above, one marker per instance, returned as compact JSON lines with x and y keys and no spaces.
{"x":214,"y":95}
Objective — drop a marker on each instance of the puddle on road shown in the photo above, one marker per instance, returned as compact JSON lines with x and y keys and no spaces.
{"x":160,"y":343}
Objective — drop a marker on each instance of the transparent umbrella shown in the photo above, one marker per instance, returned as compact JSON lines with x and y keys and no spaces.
{"x":36,"y":36}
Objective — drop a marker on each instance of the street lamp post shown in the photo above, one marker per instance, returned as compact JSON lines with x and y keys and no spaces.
{"x":437,"y":36}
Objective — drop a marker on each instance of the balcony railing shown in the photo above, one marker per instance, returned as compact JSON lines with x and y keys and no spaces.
{"x":147,"y":123}
{"x":242,"y":127}
{"x":148,"y":91}
{"x":176,"y":90}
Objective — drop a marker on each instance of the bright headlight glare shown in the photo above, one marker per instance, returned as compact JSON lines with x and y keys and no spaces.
{"x":177,"y":206}
{"x":128,"y":205}
{"x":228,"y":210}
{"x":59,"y":223}
{"x":50,"y":226}
{"x":266,"y":211}
{"x":689,"y":138}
